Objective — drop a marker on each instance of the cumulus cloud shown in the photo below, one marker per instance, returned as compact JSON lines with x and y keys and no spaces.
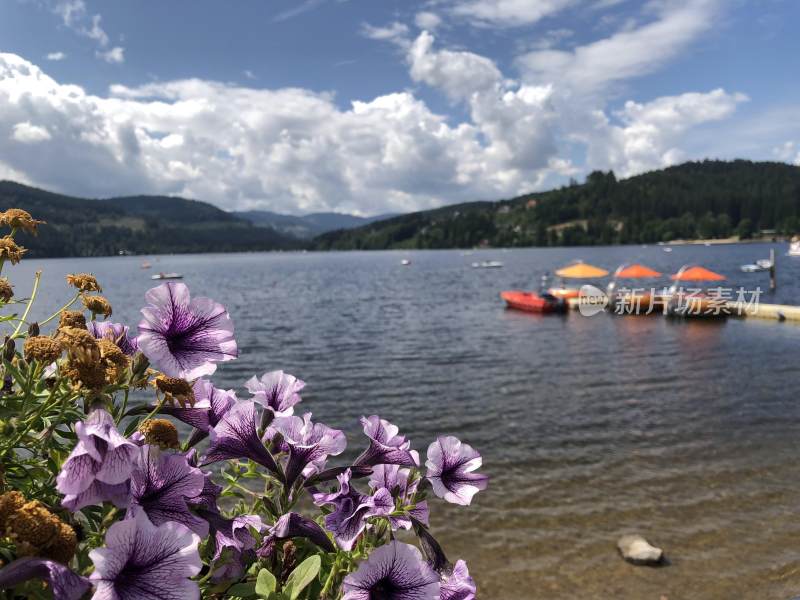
{"x":427,"y":20}
{"x":113,"y":56}
{"x":394,"y":32}
{"x":56,"y":56}
{"x":788,"y":152}
{"x":649,"y":134}
{"x":27,"y":133}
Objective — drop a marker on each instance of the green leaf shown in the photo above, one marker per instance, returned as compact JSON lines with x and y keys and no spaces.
{"x":303,"y":574}
{"x":243,"y":590}
{"x":265,"y":583}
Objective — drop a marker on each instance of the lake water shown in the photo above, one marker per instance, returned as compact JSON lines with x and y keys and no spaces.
{"x":687,"y":432}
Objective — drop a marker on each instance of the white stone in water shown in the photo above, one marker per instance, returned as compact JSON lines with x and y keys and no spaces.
{"x":636,"y":550}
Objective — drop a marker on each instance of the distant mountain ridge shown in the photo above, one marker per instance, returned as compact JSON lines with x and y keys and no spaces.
{"x":706,"y":199}
{"x":307,"y":226}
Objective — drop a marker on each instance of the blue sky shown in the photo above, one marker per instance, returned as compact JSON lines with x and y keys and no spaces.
{"x":371,"y":106}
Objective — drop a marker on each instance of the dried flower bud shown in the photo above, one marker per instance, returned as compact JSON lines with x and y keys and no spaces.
{"x":90,"y":375}
{"x":10,"y":502}
{"x":80,"y":344}
{"x":9,"y":250}
{"x":9,"y":349}
{"x":84,"y":282}
{"x":97,"y":305}
{"x":159,"y":432}
{"x":175,"y":389}
{"x":114,"y":359}
{"x":38,"y":532}
{"x":43,"y":349}
{"x":16,"y":218}
{"x":33,"y":329}
{"x":72,"y":318}
{"x":6,"y":290}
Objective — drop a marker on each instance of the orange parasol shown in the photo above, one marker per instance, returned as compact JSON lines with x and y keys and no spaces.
{"x":581,"y":271}
{"x":697,"y":273}
{"x":636,"y":271}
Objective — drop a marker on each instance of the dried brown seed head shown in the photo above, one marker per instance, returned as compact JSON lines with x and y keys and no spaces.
{"x":6,"y":290}
{"x":98,"y":305}
{"x":10,"y":251}
{"x":114,"y":360}
{"x":159,"y":432}
{"x":10,"y":502}
{"x":16,"y":218}
{"x":84,"y":282}
{"x":43,"y":349}
{"x":72,"y":318}
{"x":175,"y":389}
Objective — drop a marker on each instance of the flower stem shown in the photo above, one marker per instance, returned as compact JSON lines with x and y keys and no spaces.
{"x":60,"y":310}
{"x":22,"y":320}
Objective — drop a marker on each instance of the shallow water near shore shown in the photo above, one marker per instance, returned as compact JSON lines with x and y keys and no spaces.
{"x":686,"y":432}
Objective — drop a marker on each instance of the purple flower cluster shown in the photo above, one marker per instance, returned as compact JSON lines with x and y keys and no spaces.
{"x":172,"y":504}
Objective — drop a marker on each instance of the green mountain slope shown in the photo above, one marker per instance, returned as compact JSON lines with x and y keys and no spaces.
{"x":137,"y":224}
{"x":306,"y":226}
{"x":708,"y":199}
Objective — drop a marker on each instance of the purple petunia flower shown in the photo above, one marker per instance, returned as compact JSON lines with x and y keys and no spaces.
{"x":294,"y":525}
{"x":207,"y":498}
{"x":395,"y":571}
{"x":184,"y":337}
{"x":235,"y":436}
{"x":63,"y":583}
{"x":161,"y":485}
{"x":141,"y":561}
{"x":385,"y":445}
{"x":308,"y":443}
{"x":352,"y":509}
{"x":450,"y":470}
{"x":116,"y":332}
{"x":396,"y":480}
{"x":211,"y":404}
{"x":235,"y":546}
{"x":276,"y":391}
{"x":99,"y":466}
{"x":459,"y":585}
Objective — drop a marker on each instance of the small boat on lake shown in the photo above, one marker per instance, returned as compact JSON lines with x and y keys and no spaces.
{"x":487,"y":264}
{"x":405,"y":262}
{"x":167,"y":276}
{"x":533,"y":302}
{"x":762,"y":264}
{"x":794,"y":247}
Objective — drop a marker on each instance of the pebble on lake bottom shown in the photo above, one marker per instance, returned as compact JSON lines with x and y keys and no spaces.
{"x":638,"y":551}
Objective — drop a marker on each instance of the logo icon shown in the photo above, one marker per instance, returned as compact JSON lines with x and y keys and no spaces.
{"x":591,"y":300}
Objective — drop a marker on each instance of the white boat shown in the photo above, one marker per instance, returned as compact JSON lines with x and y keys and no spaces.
{"x":487,"y":264}
{"x":167,"y":276}
{"x":762,"y":264}
{"x":405,"y":262}
{"x":667,"y":249}
{"x":794,"y":248}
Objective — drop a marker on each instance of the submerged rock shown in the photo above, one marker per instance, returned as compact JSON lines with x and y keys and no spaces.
{"x":638,"y":551}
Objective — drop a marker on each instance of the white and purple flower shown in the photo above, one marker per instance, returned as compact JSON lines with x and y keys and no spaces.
{"x":398,"y":482}
{"x":183,"y":337}
{"x":458,"y":585}
{"x":234,"y":544}
{"x":395,"y":571}
{"x":450,"y":470}
{"x":141,"y":561}
{"x":161,"y":484}
{"x":308,"y":443}
{"x":99,"y":466}
{"x":63,"y":583}
{"x":386,"y":445}
{"x":235,"y":436}
{"x":211,"y":404}
{"x":116,"y":332}
{"x":276,"y":391}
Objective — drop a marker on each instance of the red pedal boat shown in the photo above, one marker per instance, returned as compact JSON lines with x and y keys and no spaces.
{"x":532,"y":302}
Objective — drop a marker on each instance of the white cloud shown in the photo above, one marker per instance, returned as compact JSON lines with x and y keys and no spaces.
{"x":394,"y":32}
{"x":649,"y":134}
{"x":506,"y":13}
{"x":27,"y":133}
{"x":788,"y":152}
{"x":249,"y":74}
{"x":427,"y":20}
{"x":56,"y":56}
{"x":75,"y":16}
{"x":114,"y":56}
{"x":630,"y":52}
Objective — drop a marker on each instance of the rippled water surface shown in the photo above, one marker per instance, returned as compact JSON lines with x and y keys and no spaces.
{"x":687,"y":432}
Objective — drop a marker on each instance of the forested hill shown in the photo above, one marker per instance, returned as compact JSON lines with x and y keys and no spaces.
{"x":138,"y":224}
{"x":708,"y":199}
